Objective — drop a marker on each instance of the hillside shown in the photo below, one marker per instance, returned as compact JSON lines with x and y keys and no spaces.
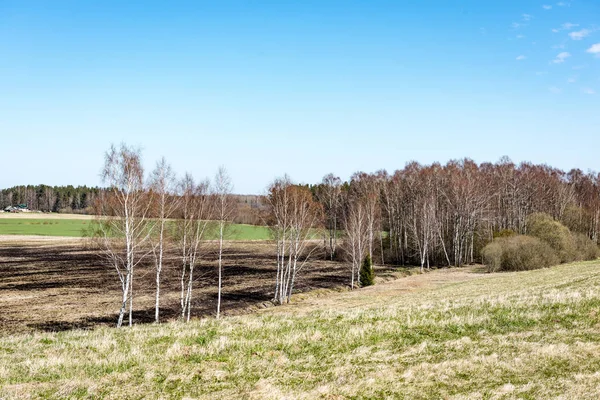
{"x":455,"y":333}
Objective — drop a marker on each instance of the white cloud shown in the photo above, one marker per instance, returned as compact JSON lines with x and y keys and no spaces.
{"x":578,"y":67}
{"x":526,"y":17}
{"x":554,"y":90}
{"x":568,"y":26}
{"x":572,"y":80}
{"x":558,"y":46}
{"x":588,"y":91}
{"x":561,"y":57}
{"x":555,"y":30}
{"x":580,"y":34}
{"x":595,"y":49}
{"x":516,"y":25}
{"x":547,"y":7}
{"x":521,"y":58}
{"x":563,"y":4}
{"x":520,"y":36}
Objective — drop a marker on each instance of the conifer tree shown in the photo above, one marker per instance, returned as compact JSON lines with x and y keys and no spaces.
{"x":367,"y":274}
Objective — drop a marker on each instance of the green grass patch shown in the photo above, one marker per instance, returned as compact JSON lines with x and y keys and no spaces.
{"x":44,"y":227}
{"x":246,"y":232}
{"x":81,"y":228}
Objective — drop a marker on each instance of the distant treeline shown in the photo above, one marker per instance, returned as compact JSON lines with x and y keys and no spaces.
{"x":81,"y":199}
{"x":65,"y":199}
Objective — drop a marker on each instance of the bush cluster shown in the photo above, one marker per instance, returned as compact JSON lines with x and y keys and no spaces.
{"x":585,"y":249}
{"x":547,"y":243}
{"x":518,"y":253}
{"x":558,"y":236}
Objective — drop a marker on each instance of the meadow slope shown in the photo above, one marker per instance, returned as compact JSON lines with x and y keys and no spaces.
{"x":448,"y":334}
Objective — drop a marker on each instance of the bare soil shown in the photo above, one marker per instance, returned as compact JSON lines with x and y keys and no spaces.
{"x":53,"y":284}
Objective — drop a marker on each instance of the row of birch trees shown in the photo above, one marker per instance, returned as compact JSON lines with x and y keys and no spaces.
{"x":147,"y":219}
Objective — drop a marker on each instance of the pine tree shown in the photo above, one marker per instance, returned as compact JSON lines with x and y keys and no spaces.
{"x":367,"y":274}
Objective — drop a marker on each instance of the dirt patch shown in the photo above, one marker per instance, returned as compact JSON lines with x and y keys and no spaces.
{"x":53,"y":284}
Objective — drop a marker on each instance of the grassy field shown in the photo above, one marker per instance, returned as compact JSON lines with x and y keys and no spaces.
{"x":43,"y":227}
{"x":248,"y":232}
{"x":448,"y":334}
{"x":76,"y":225}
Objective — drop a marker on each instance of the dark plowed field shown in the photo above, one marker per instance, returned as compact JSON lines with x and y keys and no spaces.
{"x":53,"y":286}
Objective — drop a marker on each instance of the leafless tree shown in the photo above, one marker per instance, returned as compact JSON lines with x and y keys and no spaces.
{"x":293,"y":215}
{"x":329,"y":194}
{"x":192,"y":229}
{"x":163,"y":191}
{"x":356,"y":233}
{"x":421,"y":211}
{"x":122,"y":223}
{"x":367,"y":187}
{"x":224,"y":206}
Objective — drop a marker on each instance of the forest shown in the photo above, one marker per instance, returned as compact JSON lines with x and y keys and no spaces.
{"x":446,"y":214}
{"x":63,"y":199}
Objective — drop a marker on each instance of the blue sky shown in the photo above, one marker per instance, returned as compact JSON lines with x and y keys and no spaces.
{"x":305,"y":88}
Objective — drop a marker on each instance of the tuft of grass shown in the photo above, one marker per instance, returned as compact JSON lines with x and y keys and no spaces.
{"x":533,"y":334}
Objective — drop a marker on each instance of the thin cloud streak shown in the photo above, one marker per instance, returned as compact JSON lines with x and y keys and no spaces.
{"x":561,"y":57}
{"x":580,"y":34}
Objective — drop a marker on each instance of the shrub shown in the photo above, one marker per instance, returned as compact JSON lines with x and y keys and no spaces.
{"x":367,"y":274}
{"x":585,"y":248}
{"x":492,"y":255}
{"x":504,"y":233}
{"x":518,"y":253}
{"x":558,"y":236}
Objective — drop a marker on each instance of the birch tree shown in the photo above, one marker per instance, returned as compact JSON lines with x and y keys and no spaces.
{"x":163,"y":190}
{"x":356,"y":234}
{"x":224,"y":209}
{"x":293,"y":215}
{"x":368,"y":189}
{"x":192,"y":229}
{"x":421,"y":212}
{"x":329,"y":194}
{"x":122,"y":223}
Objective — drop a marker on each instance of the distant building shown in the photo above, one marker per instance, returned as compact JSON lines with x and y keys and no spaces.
{"x":16,"y":209}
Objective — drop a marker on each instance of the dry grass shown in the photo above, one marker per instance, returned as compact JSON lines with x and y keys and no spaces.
{"x":449,"y":334}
